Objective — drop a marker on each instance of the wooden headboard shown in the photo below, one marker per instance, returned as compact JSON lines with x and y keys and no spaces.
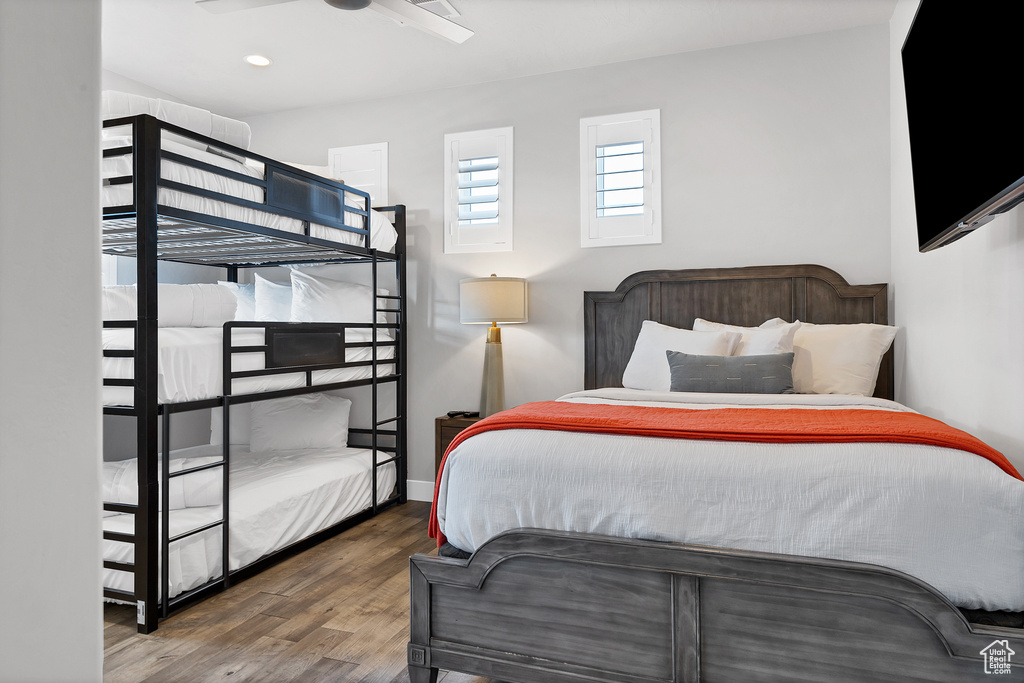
{"x":738,"y":296}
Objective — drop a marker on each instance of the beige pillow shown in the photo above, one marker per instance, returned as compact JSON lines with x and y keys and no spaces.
{"x":839,"y":359}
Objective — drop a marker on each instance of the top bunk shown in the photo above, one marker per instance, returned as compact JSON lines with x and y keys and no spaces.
{"x":212,"y":202}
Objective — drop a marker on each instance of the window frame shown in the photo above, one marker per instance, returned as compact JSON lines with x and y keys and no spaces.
{"x":478,"y":237}
{"x":596,"y":132}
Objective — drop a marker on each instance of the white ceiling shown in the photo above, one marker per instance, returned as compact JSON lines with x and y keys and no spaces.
{"x":325,"y":55}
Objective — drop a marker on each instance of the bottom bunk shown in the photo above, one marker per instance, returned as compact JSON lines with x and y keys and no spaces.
{"x":277,"y":498}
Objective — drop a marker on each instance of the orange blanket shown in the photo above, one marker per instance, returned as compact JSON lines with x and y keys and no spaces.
{"x":775,"y":425}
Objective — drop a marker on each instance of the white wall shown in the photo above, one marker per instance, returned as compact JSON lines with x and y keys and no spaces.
{"x":961,"y":306}
{"x":772,"y":153}
{"x":50,"y":609}
{"x":114,"y":81}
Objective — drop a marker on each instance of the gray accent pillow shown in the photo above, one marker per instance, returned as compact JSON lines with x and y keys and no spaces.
{"x":767,"y":374}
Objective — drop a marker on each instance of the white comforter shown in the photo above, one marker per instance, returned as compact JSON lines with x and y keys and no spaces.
{"x":189,"y":364}
{"x":277,"y":498}
{"x":948,"y":517}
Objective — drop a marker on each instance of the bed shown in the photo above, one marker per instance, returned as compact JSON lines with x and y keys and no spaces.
{"x":278,"y":498}
{"x":650,"y":556}
{"x":179,"y":184}
{"x":191,"y":362}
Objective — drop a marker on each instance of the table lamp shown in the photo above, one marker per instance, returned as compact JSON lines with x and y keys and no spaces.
{"x":492,"y":300}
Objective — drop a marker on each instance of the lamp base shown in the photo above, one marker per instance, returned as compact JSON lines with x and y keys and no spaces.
{"x":492,"y":393}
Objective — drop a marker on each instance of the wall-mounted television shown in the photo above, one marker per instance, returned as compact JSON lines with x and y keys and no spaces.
{"x":961,"y":61}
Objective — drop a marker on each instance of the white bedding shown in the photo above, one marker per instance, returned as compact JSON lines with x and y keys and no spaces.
{"x":948,"y":517}
{"x":277,"y":498}
{"x":189,"y":364}
{"x":383,"y":235}
{"x":115,"y":104}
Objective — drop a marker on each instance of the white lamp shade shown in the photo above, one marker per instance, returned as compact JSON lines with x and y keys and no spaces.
{"x":493,"y":300}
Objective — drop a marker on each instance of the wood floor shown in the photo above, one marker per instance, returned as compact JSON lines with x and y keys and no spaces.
{"x":337,"y":612}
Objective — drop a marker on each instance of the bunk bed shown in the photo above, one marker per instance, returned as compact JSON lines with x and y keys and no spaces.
{"x":642,"y":554}
{"x":181,"y":525}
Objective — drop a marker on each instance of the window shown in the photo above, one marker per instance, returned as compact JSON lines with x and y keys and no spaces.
{"x":620,"y":179}
{"x":478,"y":191}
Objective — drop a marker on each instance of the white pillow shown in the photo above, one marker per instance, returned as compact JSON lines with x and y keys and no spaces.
{"x":770,"y":338}
{"x":320,"y":299}
{"x":273,"y":300}
{"x":119,"y":302}
{"x":246,"y":297}
{"x":204,"y":305}
{"x":239,"y":425}
{"x":839,"y":359}
{"x":324,"y":171}
{"x":648,"y":366}
{"x":201,"y":305}
{"x":383,"y":235}
{"x":305,"y":421}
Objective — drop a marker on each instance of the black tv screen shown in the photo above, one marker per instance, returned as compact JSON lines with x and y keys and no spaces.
{"x":960,"y":62}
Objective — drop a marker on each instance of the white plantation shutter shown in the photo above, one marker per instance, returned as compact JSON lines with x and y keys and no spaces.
{"x":478,"y":191}
{"x":620,"y":179}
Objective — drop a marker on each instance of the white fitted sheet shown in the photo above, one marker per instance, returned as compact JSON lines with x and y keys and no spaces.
{"x":948,"y":517}
{"x":277,"y":499}
{"x":383,"y":235}
{"x":189,"y":366}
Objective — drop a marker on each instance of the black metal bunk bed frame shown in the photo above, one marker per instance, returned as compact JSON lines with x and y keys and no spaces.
{"x":150,"y":232}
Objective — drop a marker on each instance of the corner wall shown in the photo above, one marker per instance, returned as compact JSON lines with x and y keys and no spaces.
{"x":50,"y":592}
{"x":772,"y":153}
{"x":961,"y":306}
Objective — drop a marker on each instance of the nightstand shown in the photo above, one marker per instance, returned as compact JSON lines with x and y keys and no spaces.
{"x":445,"y":429}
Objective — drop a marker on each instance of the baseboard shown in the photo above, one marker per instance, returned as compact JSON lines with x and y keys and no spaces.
{"x":420,"y":490}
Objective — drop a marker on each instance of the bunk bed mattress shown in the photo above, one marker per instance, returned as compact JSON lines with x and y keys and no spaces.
{"x":189,"y":366}
{"x":383,"y":235}
{"x":277,"y":498}
{"x":948,"y":517}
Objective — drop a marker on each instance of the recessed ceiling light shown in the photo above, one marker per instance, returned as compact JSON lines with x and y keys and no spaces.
{"x":257,"y":60}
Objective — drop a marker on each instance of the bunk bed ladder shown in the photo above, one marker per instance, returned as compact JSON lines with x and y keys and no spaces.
{"x":108,"y":506}
{"x":401,"y":363}
{"x":374,"y":426}
{"x":165,"y":506}
{"x":399,"y":454}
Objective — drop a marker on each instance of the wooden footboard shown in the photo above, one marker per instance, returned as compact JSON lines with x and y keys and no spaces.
{"x":542,"y":606}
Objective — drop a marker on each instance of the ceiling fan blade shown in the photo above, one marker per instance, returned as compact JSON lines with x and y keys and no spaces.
{"x":407,"y":13}
{"x":224,"y":6}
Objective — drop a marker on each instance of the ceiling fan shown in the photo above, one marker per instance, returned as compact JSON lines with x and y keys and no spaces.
{"x":426,"y":15}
